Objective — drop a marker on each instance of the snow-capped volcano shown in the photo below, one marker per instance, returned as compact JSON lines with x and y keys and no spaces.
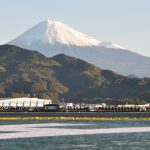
{"x":54,"y":32}
{"x":53,"y":37}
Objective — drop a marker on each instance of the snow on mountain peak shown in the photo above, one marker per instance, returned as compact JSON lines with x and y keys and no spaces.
{"x":54,"y":32}
{"x":111,"y":45}
{"x":61,"y":33}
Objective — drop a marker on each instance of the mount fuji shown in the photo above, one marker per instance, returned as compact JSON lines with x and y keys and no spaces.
{"x":53,"y":37}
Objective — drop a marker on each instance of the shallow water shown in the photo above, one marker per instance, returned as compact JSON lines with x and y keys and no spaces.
{"x":76,"y":135}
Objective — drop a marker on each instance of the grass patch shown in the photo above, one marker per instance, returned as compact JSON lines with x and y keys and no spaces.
{"x":71,"y":118}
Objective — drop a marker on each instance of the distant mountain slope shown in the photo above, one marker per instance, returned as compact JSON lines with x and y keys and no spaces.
{"x":25,"y":72}
{"x":53,"y":37}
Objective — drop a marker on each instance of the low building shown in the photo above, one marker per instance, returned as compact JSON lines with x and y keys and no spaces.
{"x":24,"y":102}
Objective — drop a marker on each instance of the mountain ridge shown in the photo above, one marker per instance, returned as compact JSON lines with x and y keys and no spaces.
{"x":64,"y":78}
{"x":51,"y":38}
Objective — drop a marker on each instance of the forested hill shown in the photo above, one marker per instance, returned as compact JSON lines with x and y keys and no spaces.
{"x":24,"y":72}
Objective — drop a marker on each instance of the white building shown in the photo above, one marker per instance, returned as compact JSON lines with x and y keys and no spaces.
{"x":23,"y":102}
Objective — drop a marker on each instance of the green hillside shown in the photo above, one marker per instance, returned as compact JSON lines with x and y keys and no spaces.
{"x":62,"y":77}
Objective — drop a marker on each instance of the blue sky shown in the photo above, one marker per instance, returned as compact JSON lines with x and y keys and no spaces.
{"x":126,"y":23}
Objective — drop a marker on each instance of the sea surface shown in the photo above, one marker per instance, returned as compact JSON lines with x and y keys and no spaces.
{"x":74,"y":135}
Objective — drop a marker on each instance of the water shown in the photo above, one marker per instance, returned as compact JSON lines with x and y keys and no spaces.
{"x":75,"y":135}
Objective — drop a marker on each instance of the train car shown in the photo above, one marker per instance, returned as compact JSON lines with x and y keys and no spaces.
{"x":51,"y":107}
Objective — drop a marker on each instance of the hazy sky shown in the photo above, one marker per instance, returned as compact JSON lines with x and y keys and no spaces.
{"x":126,"y":23}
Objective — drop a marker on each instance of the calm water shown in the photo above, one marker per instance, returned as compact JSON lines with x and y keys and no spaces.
{"x":74,"y":135}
